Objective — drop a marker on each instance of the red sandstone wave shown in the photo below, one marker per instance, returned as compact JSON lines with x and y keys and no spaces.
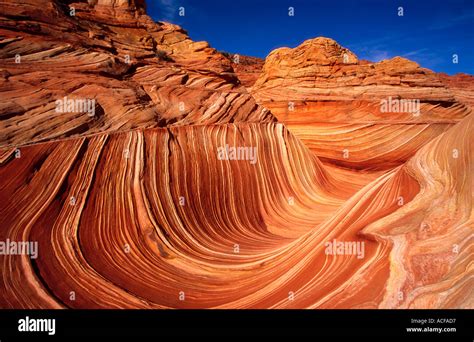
{"x":338,"y":205}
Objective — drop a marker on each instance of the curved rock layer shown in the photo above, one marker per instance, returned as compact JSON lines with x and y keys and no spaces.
{"x":432,"y":258}
{"x":139,"y":73}
{"x":166,"y":215}
{"x":349,"y":112}
{"x":157,"y":217}
{"x":462,"y":86}
{"x":183,"y":192}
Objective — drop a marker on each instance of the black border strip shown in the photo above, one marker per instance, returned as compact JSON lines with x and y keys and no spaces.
{"x":158,"y":323}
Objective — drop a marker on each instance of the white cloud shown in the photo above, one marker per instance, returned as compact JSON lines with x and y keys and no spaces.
{"x":377,"y":55}
{"x":168,"y":9}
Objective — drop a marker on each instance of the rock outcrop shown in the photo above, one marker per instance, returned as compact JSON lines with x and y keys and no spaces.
{"x":139,"y":73}
{"x":182,"y":192}
{"x":247,"y":68}
{"x":321,"y":70}
{"x":353,"y":114}
{"x":461,"y":85}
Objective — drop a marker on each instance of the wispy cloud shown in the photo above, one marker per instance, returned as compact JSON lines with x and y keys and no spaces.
{"x":383,"y":48}
{"x":168,"y":9}
{"x":377,"y":55}
{"x":453,"y":22}
{"x":415,"y":53}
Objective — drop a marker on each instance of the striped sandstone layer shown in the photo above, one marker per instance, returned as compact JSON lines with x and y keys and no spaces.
{"x":164,"y":220}
{"x":135,"y":208}
{"x":333,"y":103}
{"x":139,"y":73}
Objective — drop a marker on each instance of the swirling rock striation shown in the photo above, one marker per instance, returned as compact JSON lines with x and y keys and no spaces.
{"x":183,"y":192}
{"x":138,"y":73}
{"x":350,"y":112}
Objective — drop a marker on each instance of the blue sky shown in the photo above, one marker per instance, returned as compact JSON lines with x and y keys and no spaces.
{"x":429,"y":32}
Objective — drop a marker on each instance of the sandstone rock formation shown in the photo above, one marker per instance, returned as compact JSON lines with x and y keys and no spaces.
{"x":140,"y":73}
{"x":136,"y":208}
{"x":247,"y":68}
{"x":334,"y":103}
{"x":461,"y":85}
